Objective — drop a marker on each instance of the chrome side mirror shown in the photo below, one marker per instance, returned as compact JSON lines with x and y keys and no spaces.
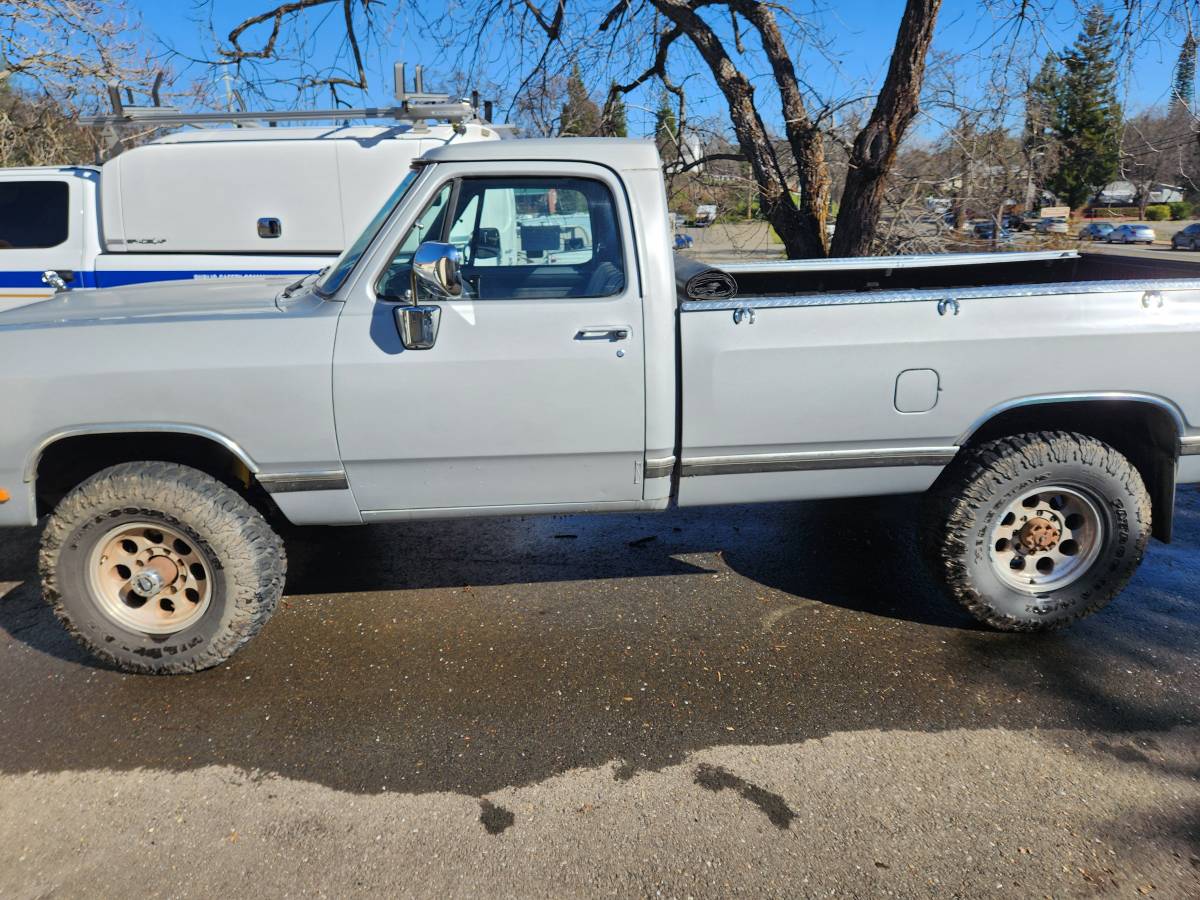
{"x":435,"y":272}
{"x":418,"y":326}
{"x":434,"y":277}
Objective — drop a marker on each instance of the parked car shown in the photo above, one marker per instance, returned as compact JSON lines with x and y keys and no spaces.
{"x":706,"y":214}
{"x":986,"y":231}
{"x":1026,"y":221}
{"x":534,"y":372}
{"x":1052,"y":225}
{"x":1187,"y":239}
{"x":1095,"y":231}
{"x":1131,"y":234}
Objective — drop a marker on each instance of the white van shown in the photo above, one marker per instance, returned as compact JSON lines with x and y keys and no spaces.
{"x":207,"y":203}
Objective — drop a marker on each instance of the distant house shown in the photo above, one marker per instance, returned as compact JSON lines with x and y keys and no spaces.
{"x":1117,"y":193}
{"x":691,"y":152}
{"x":1166,"y":193}
{"x":1125,"y":193}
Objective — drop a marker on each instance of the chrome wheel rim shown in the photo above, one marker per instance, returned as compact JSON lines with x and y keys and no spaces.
{"x":1047,"y":539}
{"x":150,"y":577}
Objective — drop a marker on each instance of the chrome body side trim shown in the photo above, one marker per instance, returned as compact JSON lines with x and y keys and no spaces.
{"x":1189,"y":446}
{"x":288,"y":482}
{"x":918,"y":295}
{"x":232,"y":446}
{"x":805,"y":461}
{"x":1041,"y":399}
{"x":661,"y":467}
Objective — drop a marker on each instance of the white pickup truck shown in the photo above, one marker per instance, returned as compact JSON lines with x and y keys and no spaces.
{"x":204,"y":204}
{"x":511,"y":335}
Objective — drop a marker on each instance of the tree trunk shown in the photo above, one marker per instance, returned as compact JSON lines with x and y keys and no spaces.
{"x":804,"y":138}
{"x":874,"y":151}
{"x":802,"y":230}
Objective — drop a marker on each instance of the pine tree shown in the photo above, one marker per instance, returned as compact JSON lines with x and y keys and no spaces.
{"x":1088,"y":116}
{"x":580,"y":114}
{"x":1041,"y":103}
{"x":1183,"y":91}
{"x":1039,"y":143}
{"x":666,"y":130}
{"x":616,"y":122}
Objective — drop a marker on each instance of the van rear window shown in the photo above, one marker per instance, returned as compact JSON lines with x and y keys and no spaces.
{"x":33,"y":214}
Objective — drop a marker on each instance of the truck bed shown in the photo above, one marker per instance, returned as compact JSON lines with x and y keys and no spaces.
{"x":806,"y":389}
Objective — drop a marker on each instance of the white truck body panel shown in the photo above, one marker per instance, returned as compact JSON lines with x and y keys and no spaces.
{"x":823,"y":361}
{"x":21,"y":267}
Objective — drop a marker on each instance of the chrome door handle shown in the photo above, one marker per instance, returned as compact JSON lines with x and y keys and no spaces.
{"x":603,"y":333}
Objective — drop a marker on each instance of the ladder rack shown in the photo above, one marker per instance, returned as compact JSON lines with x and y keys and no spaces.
{"x":412,"y":106}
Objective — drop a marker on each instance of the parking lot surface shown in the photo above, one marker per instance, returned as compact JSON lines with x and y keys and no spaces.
{"x":762,"y":701}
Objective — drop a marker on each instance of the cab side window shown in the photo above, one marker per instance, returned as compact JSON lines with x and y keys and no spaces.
{"x":526,"y":238}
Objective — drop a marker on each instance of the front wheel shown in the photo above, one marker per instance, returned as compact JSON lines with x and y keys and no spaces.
{"x":1032,"y":532}
{"x":160,"y":568}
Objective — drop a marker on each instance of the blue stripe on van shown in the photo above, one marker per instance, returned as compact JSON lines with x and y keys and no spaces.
{"x":33,"y":278}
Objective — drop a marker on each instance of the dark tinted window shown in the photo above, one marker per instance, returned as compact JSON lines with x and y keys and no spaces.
{"x":33,"y":214}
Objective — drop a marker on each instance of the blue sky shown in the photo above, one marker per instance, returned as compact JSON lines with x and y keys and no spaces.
{"x":862,"y":34}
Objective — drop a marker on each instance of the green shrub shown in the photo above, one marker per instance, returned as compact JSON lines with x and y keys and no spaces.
{"x":1180,"y":209}
{"x":1158,"y":213}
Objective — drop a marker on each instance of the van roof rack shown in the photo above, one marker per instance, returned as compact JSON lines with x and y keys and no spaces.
{"x":415,"y":106}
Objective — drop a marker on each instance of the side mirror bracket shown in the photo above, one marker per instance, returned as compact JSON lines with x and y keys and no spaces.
{"x":418,"y":325}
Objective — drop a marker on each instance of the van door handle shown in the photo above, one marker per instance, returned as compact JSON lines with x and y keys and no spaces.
{"x":603,"y":333}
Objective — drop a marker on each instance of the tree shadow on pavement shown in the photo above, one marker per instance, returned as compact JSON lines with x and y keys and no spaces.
{"x":469,"y":657}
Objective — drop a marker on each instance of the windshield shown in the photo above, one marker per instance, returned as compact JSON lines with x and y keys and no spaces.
{"x":333,"y":278}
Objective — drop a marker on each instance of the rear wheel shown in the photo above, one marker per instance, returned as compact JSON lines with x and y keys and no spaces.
{"x":1032,"y":532}
{"x":160,"y":568}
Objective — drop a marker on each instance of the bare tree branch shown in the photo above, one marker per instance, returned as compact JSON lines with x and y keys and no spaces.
{"x":876,"y":146}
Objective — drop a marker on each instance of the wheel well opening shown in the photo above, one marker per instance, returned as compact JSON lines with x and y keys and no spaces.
{"x":69,"y":461}
{"x":1145,"y":433}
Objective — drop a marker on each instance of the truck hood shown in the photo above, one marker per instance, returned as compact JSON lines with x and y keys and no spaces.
{"x":217,"y":298}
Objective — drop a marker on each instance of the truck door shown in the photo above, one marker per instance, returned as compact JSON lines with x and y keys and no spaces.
{"x":533,"y":394}
{"x":41,"y":227}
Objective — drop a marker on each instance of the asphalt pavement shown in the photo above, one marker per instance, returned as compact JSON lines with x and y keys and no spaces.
{"x":764,"y":701}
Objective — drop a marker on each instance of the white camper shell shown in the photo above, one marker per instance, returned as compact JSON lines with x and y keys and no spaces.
{"x":206,"y":203}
